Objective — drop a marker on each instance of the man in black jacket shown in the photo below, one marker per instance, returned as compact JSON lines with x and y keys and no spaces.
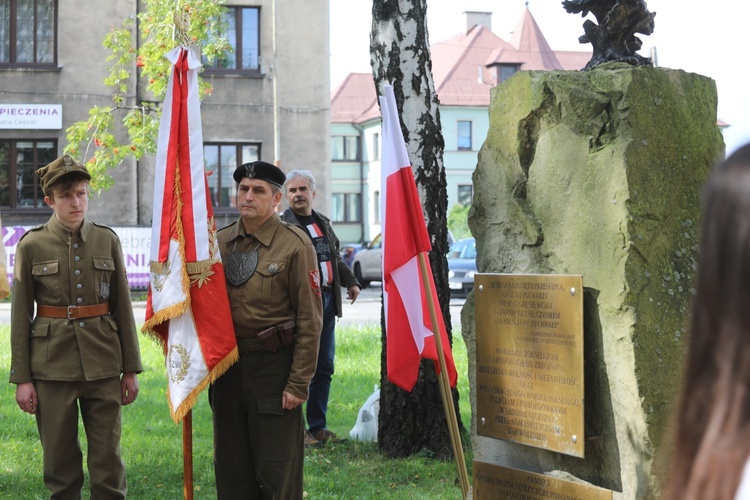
{"x":334,"y":274}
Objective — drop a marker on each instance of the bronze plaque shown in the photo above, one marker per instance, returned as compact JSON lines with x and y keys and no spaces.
{"x":494,"y":481}
{"x":529,"y":331}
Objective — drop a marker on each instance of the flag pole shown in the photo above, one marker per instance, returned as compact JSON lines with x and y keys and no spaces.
{"x":181,"y":20}
{"x":445,"y":388}
{"x":187,"y":455}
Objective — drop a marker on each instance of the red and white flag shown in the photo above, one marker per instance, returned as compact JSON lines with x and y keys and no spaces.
{"x":409,"y":333}
{"x":188,"y":306}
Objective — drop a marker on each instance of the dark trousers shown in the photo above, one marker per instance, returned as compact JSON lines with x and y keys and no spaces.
{"x":258,"y":446}
{"x":320,"y":385}
{"x":57,"y":422}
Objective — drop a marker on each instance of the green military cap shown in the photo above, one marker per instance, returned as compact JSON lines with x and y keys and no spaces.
{"x":260,"y":170}
{"x":57,"y":169}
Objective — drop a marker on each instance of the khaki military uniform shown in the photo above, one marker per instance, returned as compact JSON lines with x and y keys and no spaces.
{"x":258,"y":446}
{"x":72,"y":361}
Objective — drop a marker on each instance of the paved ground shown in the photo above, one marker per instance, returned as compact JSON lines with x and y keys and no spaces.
{"x":366,"y":310}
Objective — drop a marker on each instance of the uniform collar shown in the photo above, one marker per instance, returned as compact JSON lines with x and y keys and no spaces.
{"x":63,"y":233}
{"x":264,"y":234}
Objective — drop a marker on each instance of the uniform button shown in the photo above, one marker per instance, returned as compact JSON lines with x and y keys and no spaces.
{"x":79,"y":300}
{"x":44,"y":269}
{"x":78,"y":272}
{"x":77,"y":258}
{"x":79,"y":286}
{"x":75,"y":245}
{"x":81,"y":324}
{"x":105,"y":264}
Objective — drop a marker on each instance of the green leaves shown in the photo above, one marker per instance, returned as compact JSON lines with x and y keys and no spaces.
{"x":129,"y":128}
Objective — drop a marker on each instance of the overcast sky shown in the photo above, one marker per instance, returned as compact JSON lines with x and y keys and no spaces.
{"x":711,"y":40}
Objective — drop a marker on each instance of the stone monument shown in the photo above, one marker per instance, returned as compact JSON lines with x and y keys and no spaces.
{"x":599,"y":174}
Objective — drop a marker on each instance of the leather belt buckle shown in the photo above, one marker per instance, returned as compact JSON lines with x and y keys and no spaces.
{"x":70,"y":311}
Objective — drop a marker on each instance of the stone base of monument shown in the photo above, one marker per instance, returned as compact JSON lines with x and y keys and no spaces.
{"x":599,"y":174}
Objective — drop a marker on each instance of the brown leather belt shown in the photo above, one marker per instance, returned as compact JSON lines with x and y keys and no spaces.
{"x":72,"y":312}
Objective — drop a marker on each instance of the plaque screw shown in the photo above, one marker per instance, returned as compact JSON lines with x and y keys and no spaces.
{"x":481,"y":289}
{"x":575,"y":439}
{"x":573,"y":291}
{"x":483,"y":420}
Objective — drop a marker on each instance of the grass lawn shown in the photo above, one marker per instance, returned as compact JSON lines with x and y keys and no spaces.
{"x":152,"y":443}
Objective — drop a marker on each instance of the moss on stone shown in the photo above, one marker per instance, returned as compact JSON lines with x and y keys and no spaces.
{"x":599,"y":173}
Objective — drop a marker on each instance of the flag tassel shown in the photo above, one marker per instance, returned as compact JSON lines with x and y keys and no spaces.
{"x":445,"y":387}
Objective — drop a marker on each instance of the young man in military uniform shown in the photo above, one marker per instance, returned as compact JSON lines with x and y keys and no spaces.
{"x":274,"y":294}
{"x":334,"y":273}
{"x":81,"y":347}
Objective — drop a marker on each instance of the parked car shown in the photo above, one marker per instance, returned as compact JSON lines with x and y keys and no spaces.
{"x":368,"y":262}
{"x":348,"y":251}
{"x":462,"y":266}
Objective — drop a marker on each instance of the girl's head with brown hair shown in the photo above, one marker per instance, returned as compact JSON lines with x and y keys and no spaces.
{"x":712,"y":440}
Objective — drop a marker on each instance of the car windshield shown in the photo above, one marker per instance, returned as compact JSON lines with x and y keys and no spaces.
{"x":463,"y":249}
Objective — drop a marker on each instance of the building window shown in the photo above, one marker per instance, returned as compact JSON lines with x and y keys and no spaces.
{"x":465,"y":194}
{"x":345,"y":148}
{"x":376,"y":207}
{"x":28,"y":32}
{"x":376,"y":146}
{"x":19,"y":161}
{"x":464,"y":135}
{"x":505,"y":71}
{"x":243,"y":34}
{"x":346,"y":207}
{"x":220,"y":162}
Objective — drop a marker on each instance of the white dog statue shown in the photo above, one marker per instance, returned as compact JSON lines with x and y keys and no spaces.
{"x":366,"y":428}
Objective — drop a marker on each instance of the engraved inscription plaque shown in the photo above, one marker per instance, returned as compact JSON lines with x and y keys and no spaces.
{"x":529,"y":371}
{"x":494,"y":481}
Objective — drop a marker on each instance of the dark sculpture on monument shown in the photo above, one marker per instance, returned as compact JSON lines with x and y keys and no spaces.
{"x":613,"y":39}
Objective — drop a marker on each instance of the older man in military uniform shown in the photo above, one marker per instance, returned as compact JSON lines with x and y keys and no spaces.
{"x":82,"y":340}
{"x":274,"y":294}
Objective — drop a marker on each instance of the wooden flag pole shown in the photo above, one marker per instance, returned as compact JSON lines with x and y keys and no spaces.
{"x":187,"y":455}
{"x":445,"y":388}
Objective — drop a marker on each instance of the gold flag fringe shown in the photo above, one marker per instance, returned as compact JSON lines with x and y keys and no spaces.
{"x":179,"y":413}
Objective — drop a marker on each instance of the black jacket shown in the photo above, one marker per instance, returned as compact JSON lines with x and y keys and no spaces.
{"x":342,"y":274}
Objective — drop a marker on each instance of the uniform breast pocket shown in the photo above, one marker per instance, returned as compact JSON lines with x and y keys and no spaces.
{"x":273,"y":280}
{"x":47,"y":276}
{"x":104,"y":268}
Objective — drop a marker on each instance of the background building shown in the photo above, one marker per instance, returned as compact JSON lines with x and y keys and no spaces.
{"x":465,"y":68}
{"x":271,"y":99}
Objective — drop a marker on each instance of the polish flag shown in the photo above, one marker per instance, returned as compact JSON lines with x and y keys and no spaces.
{"x":187,"y":309}
{"x":409,"y":333}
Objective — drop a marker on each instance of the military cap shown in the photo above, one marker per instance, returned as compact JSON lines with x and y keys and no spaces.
{"x":260,"y":170}
{"x":57,"y":169}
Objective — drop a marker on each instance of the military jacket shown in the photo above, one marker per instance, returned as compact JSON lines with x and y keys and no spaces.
{"x":283,"y":287}
{"x":55,"y":267}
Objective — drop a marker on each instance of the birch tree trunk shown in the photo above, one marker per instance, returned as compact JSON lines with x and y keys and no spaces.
{"x":399,"y":54}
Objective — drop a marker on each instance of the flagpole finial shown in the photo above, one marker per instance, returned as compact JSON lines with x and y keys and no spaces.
{"x":181,"y":26}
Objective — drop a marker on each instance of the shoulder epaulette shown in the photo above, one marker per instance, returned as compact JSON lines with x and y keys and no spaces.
{"x":99,"y":224}
{"x":33,"y":229}
{"x":226,"y":227}
{"x":299,"y":232}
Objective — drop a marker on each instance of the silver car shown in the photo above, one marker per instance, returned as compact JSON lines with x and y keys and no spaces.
{"x":368,"y":262}
{"x":462,"y":266}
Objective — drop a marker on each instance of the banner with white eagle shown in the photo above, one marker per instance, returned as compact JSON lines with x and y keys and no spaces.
{"x":188,"y":307}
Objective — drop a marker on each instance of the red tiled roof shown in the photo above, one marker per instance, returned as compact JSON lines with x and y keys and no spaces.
{"x":532,"y":47}
{"x":462,"y":69}
{"x":353,"y":98}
